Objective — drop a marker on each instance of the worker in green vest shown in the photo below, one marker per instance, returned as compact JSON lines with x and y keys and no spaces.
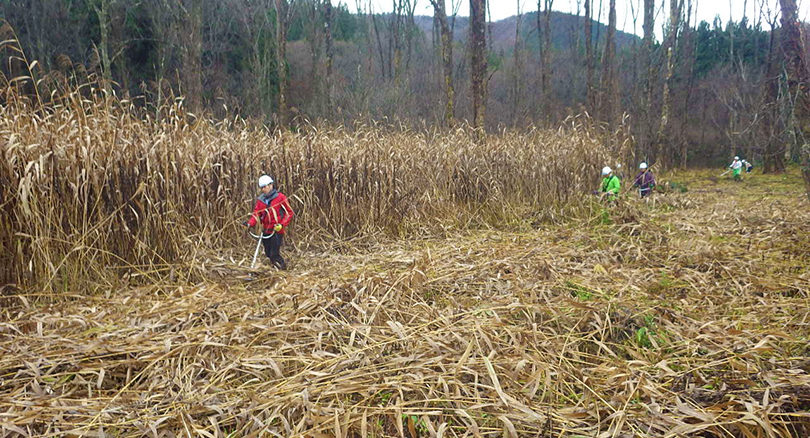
{"x":611,"y":185}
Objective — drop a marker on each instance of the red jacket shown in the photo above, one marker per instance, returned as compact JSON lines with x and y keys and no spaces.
{"x":272,"y":209}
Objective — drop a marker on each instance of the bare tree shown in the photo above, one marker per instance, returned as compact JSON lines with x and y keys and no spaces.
{"x":313,"y":26}
{"x":191,"y":25}
{"x":111,"y":16}
{"x":690,"y":59}
{"x":478,"y":60}
{"x":330,"y":55}
{"x":634,"y":17}
{"x":517,"y":70}
{"x":378,"y":35}
{"x":284,"y":15}
{"x":488,"y":15}
{"x":773,"y":155}
{"x":167,"y":38}
{"x":256,"y":28}
{"x":793,"y":53}
{"x":394,"y":43}
{"x":610,"y":91}
{"x":650,"y":75}
{"x":545,"y":53}
{"x":670,"y":46}
{"x":574,"y":38}
{"x":590,"y":106}
{"x":36,"y":23}
{"x":102,"y":8}
{"x":410,"y":28}
{"x":440,"y":13}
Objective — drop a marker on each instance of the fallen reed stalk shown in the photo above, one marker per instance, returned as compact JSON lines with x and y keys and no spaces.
{"x":662,"y":322}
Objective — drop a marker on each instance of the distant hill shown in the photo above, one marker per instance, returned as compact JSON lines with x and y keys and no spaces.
{"x":565,"y":29}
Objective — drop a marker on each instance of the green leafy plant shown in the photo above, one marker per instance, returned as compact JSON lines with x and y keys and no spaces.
{"x":650,"y":334}
{"x":580,"y":292}
{"x":643,"y":337}
{"x":418,"y":424}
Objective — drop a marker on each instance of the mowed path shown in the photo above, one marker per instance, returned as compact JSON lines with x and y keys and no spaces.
{"x":682,"y":315}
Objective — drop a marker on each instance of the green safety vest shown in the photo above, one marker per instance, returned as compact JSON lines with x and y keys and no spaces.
{"x":611,"y":184}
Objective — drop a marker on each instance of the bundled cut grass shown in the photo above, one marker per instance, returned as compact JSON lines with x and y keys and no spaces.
{"x":89,"y":184}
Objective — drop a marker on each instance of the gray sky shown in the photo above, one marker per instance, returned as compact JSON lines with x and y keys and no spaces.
{"x":706,"y":9}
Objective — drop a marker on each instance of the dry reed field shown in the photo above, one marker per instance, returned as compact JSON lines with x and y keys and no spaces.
{"x":439,"y":287}
{"x":92,"y":185}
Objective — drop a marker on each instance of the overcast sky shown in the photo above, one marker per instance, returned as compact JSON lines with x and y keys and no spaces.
{"x":706,"y":9}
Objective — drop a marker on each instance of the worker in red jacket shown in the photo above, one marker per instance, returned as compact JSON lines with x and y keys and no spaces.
{"x":273,"y":211}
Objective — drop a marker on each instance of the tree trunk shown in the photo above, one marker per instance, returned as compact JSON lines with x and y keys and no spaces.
{"x":192,"y":55}
{"x":541,"y":60}
{"x":313,"y":27}
{"x":649,"y":80}
{"x":517,"y":71}
{"x":258,"y":92}
{"x":104,"y":27}
{"x":731,"y":31}
{"x":773,"y":156}
{"x":330,"y":56}
{"x":447,"y":60}
{"x":393,"y":34}
{"x":635,"y":94}
{"x":478,"y":61}
{"x":488,"y":21}
{"x":669,"y":47}
{"x":546,"y":57}
{"x":379,"y":44}
{"x":610,"y":90}
{"x":796,"y":67}
{"x":117,"y":39}
{"x":589,"y":59}
{"x":282,"y":20}
{"x":410,"y":27}
{"x":164,"y":20}
{"x":691,"y":45}
{"x":395,"y":45}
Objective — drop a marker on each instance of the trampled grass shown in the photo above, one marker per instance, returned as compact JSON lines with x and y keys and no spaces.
{"x":686,"y":315}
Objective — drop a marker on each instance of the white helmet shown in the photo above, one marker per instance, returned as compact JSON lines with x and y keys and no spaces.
{"x":736,"y":157}
{"x":606,"y":170}
{"x":265,"y":180}
{"x":642,"y":166}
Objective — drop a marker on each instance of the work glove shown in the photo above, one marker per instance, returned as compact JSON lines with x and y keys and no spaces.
{"x":277,"y":228}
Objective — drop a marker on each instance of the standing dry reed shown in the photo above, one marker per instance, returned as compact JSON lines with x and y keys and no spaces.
{"x":90,"y":184}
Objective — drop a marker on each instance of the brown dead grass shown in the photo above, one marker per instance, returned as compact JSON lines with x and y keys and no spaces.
{"x":128,"y":310}
{"x":91,"y":185}
{"x":683,"y":316}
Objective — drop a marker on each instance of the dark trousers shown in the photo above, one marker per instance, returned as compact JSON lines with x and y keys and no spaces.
{"x":272,"y":248}
{"x":645,"y":191}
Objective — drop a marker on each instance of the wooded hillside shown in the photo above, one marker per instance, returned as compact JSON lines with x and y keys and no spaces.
{"x":722,"y":89}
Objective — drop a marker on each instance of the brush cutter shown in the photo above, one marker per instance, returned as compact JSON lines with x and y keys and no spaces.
{"x":723,"y":174}
{"x":259,"y":238}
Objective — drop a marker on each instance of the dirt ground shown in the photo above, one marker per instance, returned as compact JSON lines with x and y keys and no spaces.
{"x":684,"y":314}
